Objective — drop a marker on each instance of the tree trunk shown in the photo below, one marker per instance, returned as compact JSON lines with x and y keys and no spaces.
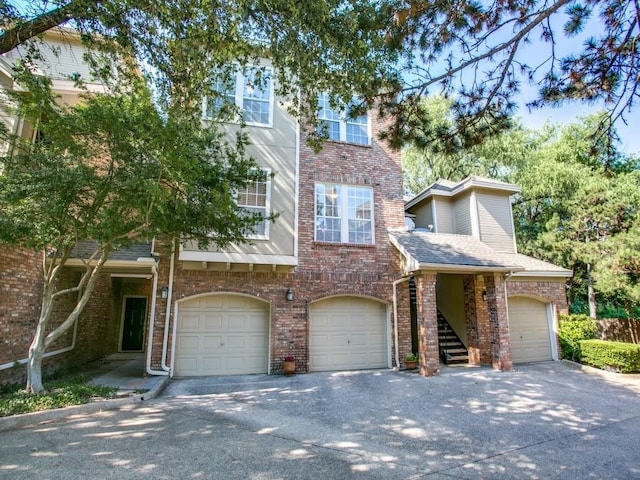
{"x":40,"y":340}
{"x":591,"y":294}
{"x":21,"y":32}
{"x":37,"y":347}
{"x":34,"y":367}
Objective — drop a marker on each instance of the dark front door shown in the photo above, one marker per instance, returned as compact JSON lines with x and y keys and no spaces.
{"x":135,"y":312}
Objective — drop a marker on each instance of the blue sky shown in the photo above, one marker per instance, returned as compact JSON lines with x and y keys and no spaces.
{"x":570,"y":112}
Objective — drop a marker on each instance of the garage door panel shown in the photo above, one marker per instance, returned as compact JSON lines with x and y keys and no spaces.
{"x":529,"y":330}
{"x":188,"y":342}
{"x":210,"y":364}
{"x":236,"y":341}
{"x":211,"y":301}
{"x":190,"y":321}
{"x":230,"y":336}
{"x":211,"y":322}
{"x":211,"y":343}
{"x":347,"y":333}
{"x":189,"y":364}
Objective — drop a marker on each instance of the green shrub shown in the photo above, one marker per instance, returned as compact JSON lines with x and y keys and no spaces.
{"x":57,"y":394}
{"x":571,"y":330}
{"x":616,"y":356}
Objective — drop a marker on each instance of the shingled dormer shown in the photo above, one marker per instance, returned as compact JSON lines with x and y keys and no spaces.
{"x":476,"y":206}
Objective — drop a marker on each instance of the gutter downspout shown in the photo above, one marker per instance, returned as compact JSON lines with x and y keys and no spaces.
{"x":154,"y":295}
{"x":395,"y":317}
{"x":167,"y":318}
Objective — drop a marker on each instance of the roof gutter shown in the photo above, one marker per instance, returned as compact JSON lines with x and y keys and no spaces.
{"x":447,"y":267}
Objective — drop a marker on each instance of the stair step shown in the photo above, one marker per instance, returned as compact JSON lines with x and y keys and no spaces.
{"x":454,"y":351}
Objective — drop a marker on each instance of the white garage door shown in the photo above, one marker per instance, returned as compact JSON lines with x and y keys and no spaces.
{"x":347,"y":333}
{"x":529,"y":329}
{"x":222,"y":335}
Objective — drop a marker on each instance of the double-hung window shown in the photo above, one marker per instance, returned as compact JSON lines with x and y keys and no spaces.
{"x":249,"y":92}
{"x":344,"y":214}
{"x":255,"y":198}
{"x":342,"y":127}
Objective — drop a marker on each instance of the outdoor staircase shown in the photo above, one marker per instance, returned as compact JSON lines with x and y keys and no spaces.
{"x":452,"y":350}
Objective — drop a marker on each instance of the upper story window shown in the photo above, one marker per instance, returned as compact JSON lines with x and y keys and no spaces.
{"x":249,"y":92}
{"x":344,"y":214}
{"x":255,"y":198}
{"x":342,"y":127}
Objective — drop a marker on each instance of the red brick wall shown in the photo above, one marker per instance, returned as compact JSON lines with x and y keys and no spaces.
{"x":498,"y":322}
{"x":20,"y":299}
{"x":487,"y":322}
{"x":21,"y":296}
{"x":324,"y":269}
{"x":20,"y":304}
{"x":554,"y":292}
{"x":427,"y":323}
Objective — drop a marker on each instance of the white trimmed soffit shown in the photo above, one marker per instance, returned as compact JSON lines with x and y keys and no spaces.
{"x":543,"y":273}
{"x":142,"y":262}
{"x":254,"y":258}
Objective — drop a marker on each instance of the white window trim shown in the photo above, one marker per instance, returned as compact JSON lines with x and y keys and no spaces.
{"x":344,"y":217}
{"x":342,"y":125}
{"x":267,"y":207}
{"x":239,"y":98}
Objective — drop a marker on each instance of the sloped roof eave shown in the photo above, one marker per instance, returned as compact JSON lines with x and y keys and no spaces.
{"x":544,"y":273}
{"x":456,"y":268}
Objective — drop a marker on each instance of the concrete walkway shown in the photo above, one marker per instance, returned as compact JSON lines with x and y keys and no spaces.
{"x":544,"y":421}
{"x":127,"y":373}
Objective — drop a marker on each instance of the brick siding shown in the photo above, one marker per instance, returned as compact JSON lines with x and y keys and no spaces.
{"x":324,"y":269}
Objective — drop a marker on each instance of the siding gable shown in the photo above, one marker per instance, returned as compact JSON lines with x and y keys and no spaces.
{"x":496,"y":222}
{"x":444,"y":216}
{"x":462,"y":216}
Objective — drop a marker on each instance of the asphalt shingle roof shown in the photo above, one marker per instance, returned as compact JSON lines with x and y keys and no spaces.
{"x":86,"y":248}
{"x":463,"y":251}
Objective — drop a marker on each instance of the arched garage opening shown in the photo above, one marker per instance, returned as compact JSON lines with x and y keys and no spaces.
{"x":530,"y":328}
{"x":348,"y":333}
{"x":222,"y":334}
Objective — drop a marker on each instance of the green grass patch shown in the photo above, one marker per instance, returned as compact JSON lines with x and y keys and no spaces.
{"x":59,"y":392}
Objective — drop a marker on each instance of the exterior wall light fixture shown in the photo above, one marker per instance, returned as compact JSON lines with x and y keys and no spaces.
{"x":165,"y":292}
{"x":289,"y":295}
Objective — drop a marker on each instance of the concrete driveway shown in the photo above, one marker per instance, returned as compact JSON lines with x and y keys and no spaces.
{"x":545,"y":421}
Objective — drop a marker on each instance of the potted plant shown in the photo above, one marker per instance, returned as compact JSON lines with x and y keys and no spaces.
{"x":411,"y":363}
{"x":289,"y":365}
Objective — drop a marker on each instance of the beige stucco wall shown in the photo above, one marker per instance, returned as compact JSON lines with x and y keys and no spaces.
{"x":450,"y":300}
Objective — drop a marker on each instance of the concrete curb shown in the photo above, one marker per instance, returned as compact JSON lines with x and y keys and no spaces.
{"x":622,"y":377}
{"x":18,"y":421}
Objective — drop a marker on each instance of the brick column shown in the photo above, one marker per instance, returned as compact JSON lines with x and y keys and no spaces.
{"x":478,"y":329}
{"x":427,"y":324}
{"x":498,"y":322}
